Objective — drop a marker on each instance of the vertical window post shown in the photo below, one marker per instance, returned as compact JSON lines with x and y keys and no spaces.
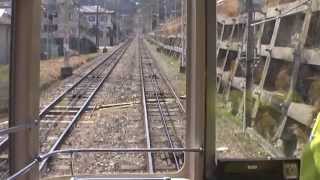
{"x":201,"y":74}
{"x":24,"y":85}
{"x":210,"y":87}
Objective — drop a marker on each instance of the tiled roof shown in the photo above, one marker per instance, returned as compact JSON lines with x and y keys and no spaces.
{"x":93,"y":9}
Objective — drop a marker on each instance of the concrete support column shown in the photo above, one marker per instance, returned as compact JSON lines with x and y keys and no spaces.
{"x":24,"y":86}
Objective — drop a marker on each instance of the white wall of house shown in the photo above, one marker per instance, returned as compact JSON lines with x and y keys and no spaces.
{"x":105,"y":25}
{"x":106,"y":20}
{"x":4,"y":43}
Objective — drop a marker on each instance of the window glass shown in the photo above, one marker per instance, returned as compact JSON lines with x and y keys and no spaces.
{"x":92,"y":18}
{"x":142,"y":100}
{"x":267,"y":78}
{"x":5,"y":31}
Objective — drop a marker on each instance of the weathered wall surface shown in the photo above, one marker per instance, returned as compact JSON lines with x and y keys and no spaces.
{"x":232,"y":8}
{"x":289,"y":72}
{"x":281,"y":43}
{"x":172,"y":27}
{"x":229,"y":8}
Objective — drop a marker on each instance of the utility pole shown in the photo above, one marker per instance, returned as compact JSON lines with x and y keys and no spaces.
{"x":97,"y":27}
{"x":117,"y":21}
{"x":49,"y":16}
{"x":165,"y":10}
{"x":52,"y":7}
{"x":79,"y":27}
{"x":116,"y":9}
{"x":183,"y":36}
{"x":66,"y":70}
{"x":175,"y":8}
{"x":249,"y":62}
{"x":158,"y":7}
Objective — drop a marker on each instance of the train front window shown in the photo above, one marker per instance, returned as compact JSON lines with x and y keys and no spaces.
{"x":159,"y":89}
{"x":112,"y":77}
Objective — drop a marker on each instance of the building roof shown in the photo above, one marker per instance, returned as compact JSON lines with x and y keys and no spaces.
{"x":5,"y":16}
{"x":93,"y":9}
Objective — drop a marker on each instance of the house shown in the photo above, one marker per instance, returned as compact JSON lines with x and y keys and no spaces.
{"x":5,"y":31}
{"x":59,"y":26}
{"x":101,"y":24}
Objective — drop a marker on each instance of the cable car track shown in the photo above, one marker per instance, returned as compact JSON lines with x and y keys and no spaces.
{"x":162,"y":112}
{"x":159,"y":112}
{"x":58,"y":118}
{"x":78,"y":98}
{"x":161,"y":107}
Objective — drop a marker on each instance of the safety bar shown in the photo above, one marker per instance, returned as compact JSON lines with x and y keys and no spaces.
{"x":24,"y":170}
{"x":107,"y":150}
{"x":102,"y":178}
{"x":18,"y":128}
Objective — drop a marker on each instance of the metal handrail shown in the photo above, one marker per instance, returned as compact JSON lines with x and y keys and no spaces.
{"x":17,"y":128}
{"x":40,"y":158}
{"x":131,"y":178}
{"x":24,"y":170}
{"x":121,"y":150}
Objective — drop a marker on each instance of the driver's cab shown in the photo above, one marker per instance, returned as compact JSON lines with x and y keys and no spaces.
{"x":248,"y":70}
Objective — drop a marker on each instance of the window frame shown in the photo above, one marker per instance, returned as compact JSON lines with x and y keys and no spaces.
{"x":92,"y":18}
{"x":201,"y":75}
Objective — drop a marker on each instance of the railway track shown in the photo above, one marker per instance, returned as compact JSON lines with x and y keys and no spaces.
{"x":59,"y":117}
{"x":160,"y":106}
{"x":161,"y":109}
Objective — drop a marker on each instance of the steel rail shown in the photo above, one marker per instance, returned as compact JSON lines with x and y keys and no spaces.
{"x":145,"y":112}
{"x":83,"y":108}
{"x":80,"y":91}
{"x":5,"y":141}
{"x":163,"y":120}
{"x":168,"y":83}
{"x":59,"y":98}
{"x":166,"y":80}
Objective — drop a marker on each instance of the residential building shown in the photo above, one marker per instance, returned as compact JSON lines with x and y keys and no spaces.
{"x":101,"y":24}
{"x":59,"y":26}
{"x":5,"y":30}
